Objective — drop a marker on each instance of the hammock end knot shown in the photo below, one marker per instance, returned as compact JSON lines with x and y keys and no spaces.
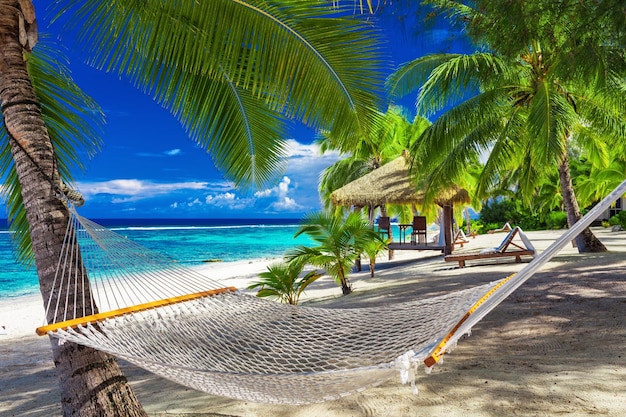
{"x":407,"y":366}
{"x":69,"y":195}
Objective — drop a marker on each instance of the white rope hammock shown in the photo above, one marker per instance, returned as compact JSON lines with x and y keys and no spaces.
{"x":179,"y":324}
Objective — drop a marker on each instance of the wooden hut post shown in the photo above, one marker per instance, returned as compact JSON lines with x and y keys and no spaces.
{"x":447,"y":228}
{"x":357,"y":262}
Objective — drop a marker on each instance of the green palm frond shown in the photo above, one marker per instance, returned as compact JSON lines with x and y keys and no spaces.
{"x":460,"y":76}
{"x":603,"y":111}
{"x":413,"y":74}
{"x":252,"y":153}
{"x":595,"y":146}
{"x":550,"y":120}
{"x":74,"y":122}
{"x":285,"y":281}
{"x":484,"y":109}
{"x":297,"y":58}
{"x":456,"y":11}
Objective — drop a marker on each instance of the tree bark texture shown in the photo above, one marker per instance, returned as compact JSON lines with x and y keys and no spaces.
{"x":91,"y":382}
{"x":586,"y":241}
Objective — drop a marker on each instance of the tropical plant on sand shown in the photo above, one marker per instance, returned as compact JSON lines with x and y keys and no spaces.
{"x":524,"y":104}
{"x":372,"y":249}
{"x":232,"y":72}
{"x":284,"y":281}
{"x":340,"y":241}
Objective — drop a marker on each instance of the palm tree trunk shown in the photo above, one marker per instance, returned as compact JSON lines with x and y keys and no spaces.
{"x":586,"y":241}
{"x":91,"y":382}
{"x":346,"y":288}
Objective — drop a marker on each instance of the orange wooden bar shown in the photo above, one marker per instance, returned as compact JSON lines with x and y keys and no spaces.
{"x":94,"y":318}
{"x":436,"y":355}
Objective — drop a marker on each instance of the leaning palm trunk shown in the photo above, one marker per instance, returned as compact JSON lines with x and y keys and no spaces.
{"x":586,"y":241}
{"x":91,"y":382}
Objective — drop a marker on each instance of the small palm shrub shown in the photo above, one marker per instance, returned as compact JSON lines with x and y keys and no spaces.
{"x":372,"y":249}
{"x":340,"y":241}
{"x":284,"y":281}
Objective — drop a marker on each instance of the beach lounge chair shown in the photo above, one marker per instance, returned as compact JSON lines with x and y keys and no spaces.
{"x":384,"y":226}
{"x":418,"y":234}
{"x":504,"y":250}
{"x":460,"y":238}
{"x":506,"y":228}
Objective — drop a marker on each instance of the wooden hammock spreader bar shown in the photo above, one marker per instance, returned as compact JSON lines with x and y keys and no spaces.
{"x":436,"y":355}
{"x":94,"y":318}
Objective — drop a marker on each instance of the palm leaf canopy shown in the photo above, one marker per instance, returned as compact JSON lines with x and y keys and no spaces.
{"x":391,"y":184}
{"x":234,"y":71}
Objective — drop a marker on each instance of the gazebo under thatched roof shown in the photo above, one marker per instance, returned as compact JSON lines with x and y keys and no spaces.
{"x":391,"y":184}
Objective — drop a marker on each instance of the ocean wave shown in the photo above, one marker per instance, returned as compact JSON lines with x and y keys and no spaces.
{"x":220,"y":227}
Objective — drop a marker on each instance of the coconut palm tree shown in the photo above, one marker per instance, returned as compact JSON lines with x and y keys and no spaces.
{"x":391,"y":136}
{"x":284,"y":281}
{"x":523,"y":110}
{"x":231,"y":71}
{"x":340,"y":241}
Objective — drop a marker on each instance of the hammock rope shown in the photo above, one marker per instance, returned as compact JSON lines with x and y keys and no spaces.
{"x":176,"y":322}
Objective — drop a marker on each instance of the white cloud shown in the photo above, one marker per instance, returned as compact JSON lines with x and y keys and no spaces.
{"x":195,"y":202}
{"x":286,"y":204}
{"x":279,"y":190}
{"x":296,"y":149}
{"x":171,"y":152}
{"x":283,"y":202}
{"x":295,"y":192}
{"x":283,"y":186}
{"x":229,"y":201}
{"x":126,"y":190}
{"x":264,"y":193}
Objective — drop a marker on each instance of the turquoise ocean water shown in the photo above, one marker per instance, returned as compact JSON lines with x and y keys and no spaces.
{"x":191,"y":242}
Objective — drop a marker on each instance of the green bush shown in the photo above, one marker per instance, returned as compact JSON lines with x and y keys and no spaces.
{"x":614,"y":221}
{"x":491,"y":226}
{"x":556,"y":220}
{"x":619,"y":219}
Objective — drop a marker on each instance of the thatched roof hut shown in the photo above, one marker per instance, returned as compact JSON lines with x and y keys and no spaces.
{"x":392,"y":184}
{"x":389,"y":184}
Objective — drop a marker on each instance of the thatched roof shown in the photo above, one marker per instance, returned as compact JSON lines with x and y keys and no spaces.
{"x":390,"y":184}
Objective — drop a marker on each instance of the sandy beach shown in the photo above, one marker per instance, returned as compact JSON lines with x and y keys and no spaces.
{"x":557,"y":346}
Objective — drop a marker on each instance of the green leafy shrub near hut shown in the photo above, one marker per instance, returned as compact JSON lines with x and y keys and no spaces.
{"x":618,"y":220}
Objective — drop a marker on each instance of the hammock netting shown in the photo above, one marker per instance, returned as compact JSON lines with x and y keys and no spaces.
{"x":174,"y":321}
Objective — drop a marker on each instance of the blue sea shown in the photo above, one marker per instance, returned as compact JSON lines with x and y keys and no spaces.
{"x":189,"y":241}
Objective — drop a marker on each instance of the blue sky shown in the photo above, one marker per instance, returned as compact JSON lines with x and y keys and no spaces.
{"x":149,"y":168}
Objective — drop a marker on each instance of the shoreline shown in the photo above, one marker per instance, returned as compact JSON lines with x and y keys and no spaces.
{"x":555,"y":346}
{"x":30,"y":307}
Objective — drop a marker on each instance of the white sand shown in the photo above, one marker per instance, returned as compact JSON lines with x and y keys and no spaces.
{"x":556,"y":347}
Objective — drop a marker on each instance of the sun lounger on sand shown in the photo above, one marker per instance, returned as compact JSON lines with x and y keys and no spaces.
{"x":460,"y":238}
{"x":500,"y":252}
{"x":506,"y":228}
